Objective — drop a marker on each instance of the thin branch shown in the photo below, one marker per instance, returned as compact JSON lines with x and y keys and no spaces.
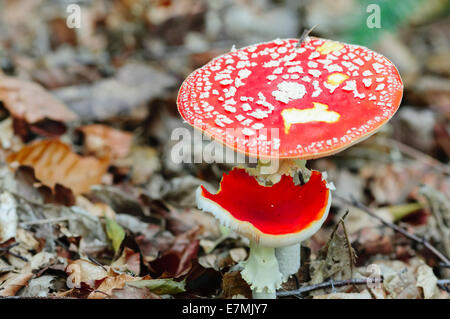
{"x":329,"y":284}
{"x":404,"y":232}
{"x":7,"y":250}
{"x":418,"y":155}
{"x":305,"y":33}
{"x":442,"y":283}
{"x":47,"y":221}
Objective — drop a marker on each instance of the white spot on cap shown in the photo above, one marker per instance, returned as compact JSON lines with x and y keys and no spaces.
{"x":288,"y":91}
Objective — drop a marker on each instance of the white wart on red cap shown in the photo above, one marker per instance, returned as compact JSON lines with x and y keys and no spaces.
{"x":278,"y":101}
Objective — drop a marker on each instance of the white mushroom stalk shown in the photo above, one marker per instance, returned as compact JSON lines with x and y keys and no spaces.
{"x":289,"y":261}
{"x":261,"y":272}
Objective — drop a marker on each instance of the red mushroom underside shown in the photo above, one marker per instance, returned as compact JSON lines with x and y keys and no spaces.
{"x":283,"y":208}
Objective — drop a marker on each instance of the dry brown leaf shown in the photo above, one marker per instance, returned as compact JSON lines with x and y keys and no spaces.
{"x":341,"y":295}
{"x":84,"y":271}
{"x":31,"y":102}
{"x":54,"y":162}
{"x":233,"y":284}
{"x":128,"y":261}
{"x":13,"y":284}
{"x":129,"y":292}
{"x":110,"y":283}
{"x":103,"y":140}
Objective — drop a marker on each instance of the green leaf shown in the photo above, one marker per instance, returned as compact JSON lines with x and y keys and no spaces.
{"x":115,"y":233}
{"x":160,"y":286}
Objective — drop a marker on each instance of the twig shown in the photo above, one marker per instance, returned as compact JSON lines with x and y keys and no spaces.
{"x":329,"y":284}
{"x":442,"y":283}
{"x":9,"y":247}
{"x":305,"y":33}
{"x":418,"y":155}
{"x":351,"y":252}
{"x":7,"y":250}
{"x":404,"y":232}
{"x":47,"y":221}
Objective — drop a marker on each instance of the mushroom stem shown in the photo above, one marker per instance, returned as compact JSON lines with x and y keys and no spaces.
{"x":261,"y":271}
{"x":288,"y":260}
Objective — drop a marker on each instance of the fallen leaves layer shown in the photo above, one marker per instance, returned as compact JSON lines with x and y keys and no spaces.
{"x":54,"y":162}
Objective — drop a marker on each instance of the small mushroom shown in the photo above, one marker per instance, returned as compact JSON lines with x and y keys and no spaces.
{"x":281,"y":101}
{"x":272,"y":221}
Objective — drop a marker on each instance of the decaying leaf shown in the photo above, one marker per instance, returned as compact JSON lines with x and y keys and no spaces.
{"x":160,"y":286}
{"x":54,"y":162}
{"x":13,"y":284}
{"x":177,"y":260}
{"x":38,"y":287}
{"x":128,"y":261}
{"x":110,"y":283}
{"x":8,"y":216}
{"x":83,"y":271}
{"x":427,"y":281}
{"x":335,"y":260}
{"x":104,"y":141}
{"x":31,"y":102}
{"x":130,"y":292}
{"x":341,"y":295}
{"x":233,"y":284}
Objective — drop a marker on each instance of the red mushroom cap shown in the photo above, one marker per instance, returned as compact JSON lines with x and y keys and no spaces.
{"x":273,"y":100}
{"x":283,"y":215}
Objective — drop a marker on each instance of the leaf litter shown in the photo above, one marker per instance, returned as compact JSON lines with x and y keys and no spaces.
{"x":92,"y":206}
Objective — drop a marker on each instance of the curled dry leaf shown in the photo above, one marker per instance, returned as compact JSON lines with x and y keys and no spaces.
{"x":84,"y":271}
{"x":31,"y":102}
{"x":54,"y":162}
{"x":103,"y":140}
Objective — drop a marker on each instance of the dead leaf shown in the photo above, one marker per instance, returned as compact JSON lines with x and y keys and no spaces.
{"x":145,"y":162}
{"x":8,"y":216}
{"x":129,"y":292}
{"x":128,"y":261}
{"x":133,"y":86}
{"x":54,"y":162}
{"x":427,"y":281}
{"x":38,"y":287}
{"x":31,"y":102}
{"x":83,"y":271}
{"x":335,"y":260}
{"x":161,"y":286}
{"x":103,"y":141}
{"x":178,"y":259}
{"x":110,"y":283}
{"x":233,"y":284}
{"x":13,"y":284}
{"x":341,"y":295}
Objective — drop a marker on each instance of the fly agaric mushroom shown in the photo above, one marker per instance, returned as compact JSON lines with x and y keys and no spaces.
{"x":283,"y":101}
{"x":272,"y":221}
